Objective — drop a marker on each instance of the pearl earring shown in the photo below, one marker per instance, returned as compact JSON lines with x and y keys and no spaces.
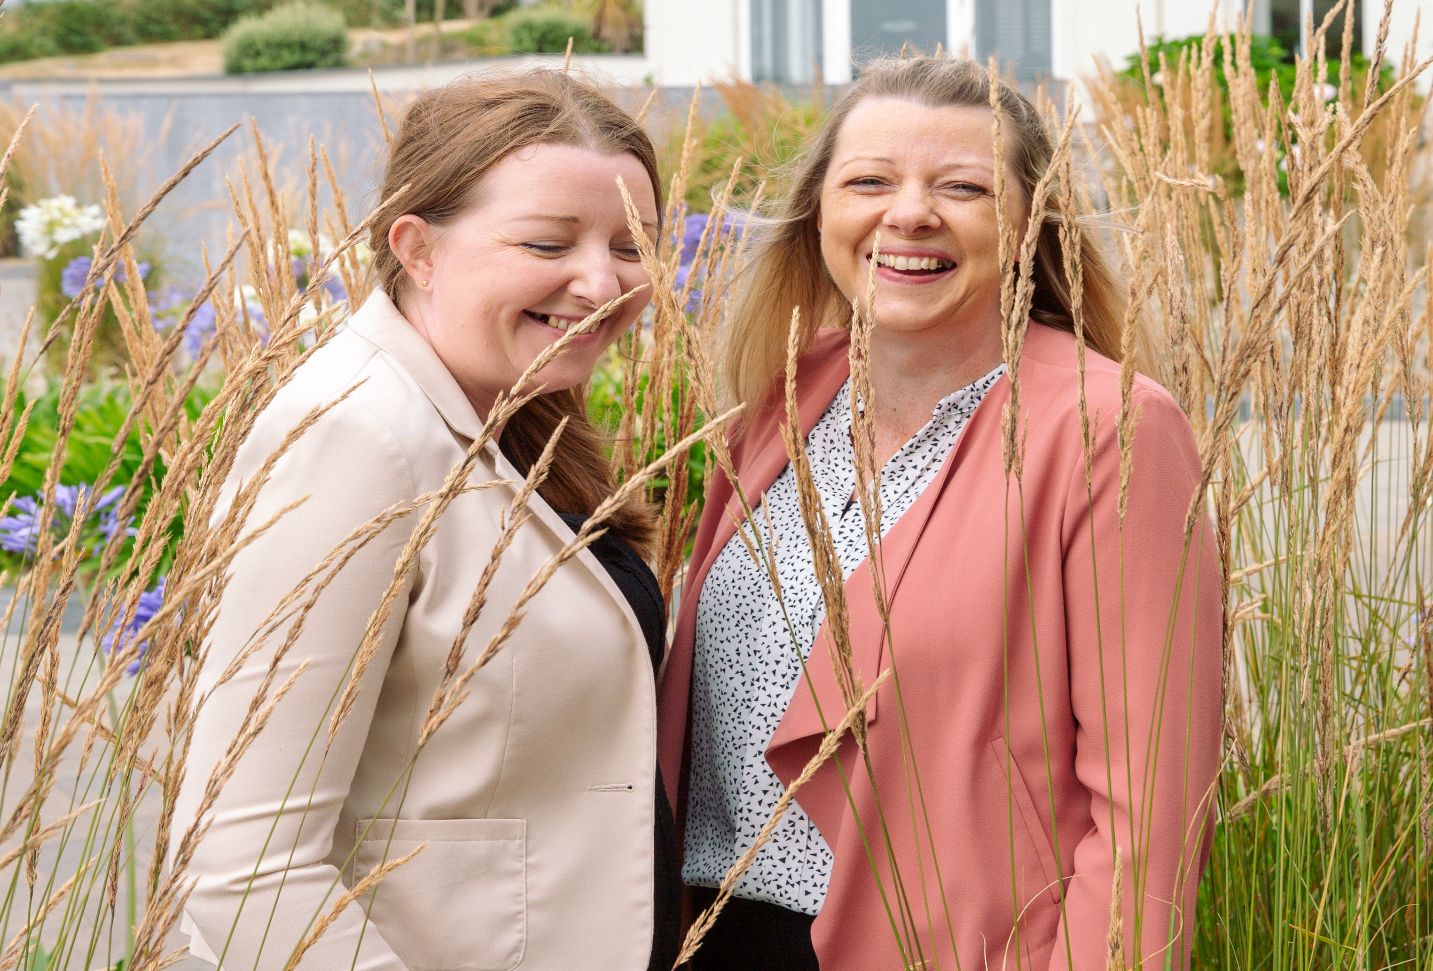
{"x":423,"y":283}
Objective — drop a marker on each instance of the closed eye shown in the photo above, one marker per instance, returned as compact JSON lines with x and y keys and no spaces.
{"x":967,"y":189}
{"x":629,"y":253}
{"x":545,"y":249}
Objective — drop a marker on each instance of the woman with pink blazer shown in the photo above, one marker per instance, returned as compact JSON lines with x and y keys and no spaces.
{"x":1052,"y":728}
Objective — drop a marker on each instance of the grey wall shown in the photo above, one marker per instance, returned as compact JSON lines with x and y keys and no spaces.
{"x":181,"y":116}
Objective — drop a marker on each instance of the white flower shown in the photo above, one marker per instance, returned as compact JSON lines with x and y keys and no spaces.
{"x":246,"y":300}
{"x":301,"y":245}
{"x":51,"y":223}
{"x":1327,"y":92}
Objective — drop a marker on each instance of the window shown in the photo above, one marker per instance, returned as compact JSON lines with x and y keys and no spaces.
{"x":786,"y":41}
{"x":1282,"y":20}
{"x":879,"y":27}
{"x":1017,"y":32}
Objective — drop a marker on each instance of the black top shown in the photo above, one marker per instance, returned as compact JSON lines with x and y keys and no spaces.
{"x":635,"y":580}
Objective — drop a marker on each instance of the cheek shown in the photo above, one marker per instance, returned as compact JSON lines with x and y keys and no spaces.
{"x":633,"y":275}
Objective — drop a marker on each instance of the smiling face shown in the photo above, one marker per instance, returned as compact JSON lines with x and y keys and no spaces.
{"x":922,"y":177}
{"x":543,"y":243}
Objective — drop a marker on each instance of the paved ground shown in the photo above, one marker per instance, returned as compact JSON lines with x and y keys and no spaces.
{"x":17,"y":295}
{"x":75,"y":786}
{"x":27,"y":85}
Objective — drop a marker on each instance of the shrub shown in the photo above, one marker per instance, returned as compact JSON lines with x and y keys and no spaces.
{"x":491,"y":37}
{"x":546,"y":32}
{"x":23,"y":42}
{"x":87,"y":26}
{"x":164,"y":20}
{"x":82,"y":26}
{"x":293,"y":37}
{"x":1273,"y":67}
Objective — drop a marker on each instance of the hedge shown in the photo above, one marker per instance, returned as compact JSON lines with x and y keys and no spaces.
{"x":293,"y":37}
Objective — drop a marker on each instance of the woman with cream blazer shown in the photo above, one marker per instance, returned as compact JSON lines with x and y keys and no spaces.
{"x":535,"y":815}
{"x":399,"y":807}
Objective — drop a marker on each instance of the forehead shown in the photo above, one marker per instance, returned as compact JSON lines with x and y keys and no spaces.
{"x":583,"y":179}
{"x":901,"y":130}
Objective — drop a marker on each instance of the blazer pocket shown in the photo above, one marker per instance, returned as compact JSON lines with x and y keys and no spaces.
{"x":461,"y":903}
{"x":1028,"y":820}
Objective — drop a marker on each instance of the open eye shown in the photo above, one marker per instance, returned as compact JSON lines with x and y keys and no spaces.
{"x":967,"y":189}
{"x":865,"y":182}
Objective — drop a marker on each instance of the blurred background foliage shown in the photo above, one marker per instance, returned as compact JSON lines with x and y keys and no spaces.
{"x":74,"y":27}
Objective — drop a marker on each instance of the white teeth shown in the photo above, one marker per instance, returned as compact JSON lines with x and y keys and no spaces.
{"x":913,"y":262}
{"x":558,"y":323}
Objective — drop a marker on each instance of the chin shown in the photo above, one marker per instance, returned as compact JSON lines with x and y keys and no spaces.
{"x":561,"y":379}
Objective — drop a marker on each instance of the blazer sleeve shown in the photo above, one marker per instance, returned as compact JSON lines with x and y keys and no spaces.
{"x":1143,"y":626}
{"x":261,"y":880}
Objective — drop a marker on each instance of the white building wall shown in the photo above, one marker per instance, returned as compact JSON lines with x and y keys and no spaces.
{"x":960,"y":21}
{"x":835,"y":41}
{"x":697,"y":40}
{"x":1400,"y":31}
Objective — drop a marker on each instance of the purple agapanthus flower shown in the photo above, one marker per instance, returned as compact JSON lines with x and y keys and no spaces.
{"x":305,"y":267}
{"x":169,"y":309}
{"x":122,"y":634}
{"x":201,"y":328}
{"x":20,"y":530}
{"x":692,"y":228}
{"x":73,"y":276}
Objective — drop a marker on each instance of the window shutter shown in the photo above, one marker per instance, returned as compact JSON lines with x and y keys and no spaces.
{"x":1017,"y":32}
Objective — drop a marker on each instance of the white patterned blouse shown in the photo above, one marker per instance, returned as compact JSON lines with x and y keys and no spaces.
{"x":745,"y":657}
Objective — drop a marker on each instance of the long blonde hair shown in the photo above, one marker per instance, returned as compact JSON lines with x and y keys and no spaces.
{"x":786,"y":268}
{"x":450,"y":137}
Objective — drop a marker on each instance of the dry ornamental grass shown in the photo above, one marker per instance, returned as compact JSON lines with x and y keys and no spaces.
{"x":1292,"y":319}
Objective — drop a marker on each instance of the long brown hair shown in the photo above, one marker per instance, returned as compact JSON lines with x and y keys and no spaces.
{"x":449,"y":138}
{"x":786,"y":268}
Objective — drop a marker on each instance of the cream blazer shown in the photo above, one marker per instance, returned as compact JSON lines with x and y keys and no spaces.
{"x":535,"y":799}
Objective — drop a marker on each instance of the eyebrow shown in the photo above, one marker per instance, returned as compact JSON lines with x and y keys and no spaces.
{"x":978,"y":166}
{"x":568,"y":219}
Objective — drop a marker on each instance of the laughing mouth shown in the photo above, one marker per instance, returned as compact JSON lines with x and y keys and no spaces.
{"x":554,"y":321}
{"x":914,"y":265}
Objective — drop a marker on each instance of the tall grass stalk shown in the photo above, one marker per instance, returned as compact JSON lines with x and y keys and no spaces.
{"x":1290,"y":315}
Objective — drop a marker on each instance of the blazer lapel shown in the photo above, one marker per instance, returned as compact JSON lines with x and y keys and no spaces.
{"x":818,"y":704}
{"x":769,"y":457}
{"x":820,"y":374}
{"x":381,"y":323}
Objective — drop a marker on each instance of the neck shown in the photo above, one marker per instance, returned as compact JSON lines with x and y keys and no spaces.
{"x":417,"y":309}
{"x":911,"y":373}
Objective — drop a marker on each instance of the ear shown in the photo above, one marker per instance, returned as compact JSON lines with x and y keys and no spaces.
{"x":411,"y":239}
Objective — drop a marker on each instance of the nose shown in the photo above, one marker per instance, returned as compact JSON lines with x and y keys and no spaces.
{"x":910,"y":211}
{"x":594,"y":279}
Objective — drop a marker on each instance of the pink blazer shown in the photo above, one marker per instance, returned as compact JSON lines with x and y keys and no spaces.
{"x":1059,"y":686}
